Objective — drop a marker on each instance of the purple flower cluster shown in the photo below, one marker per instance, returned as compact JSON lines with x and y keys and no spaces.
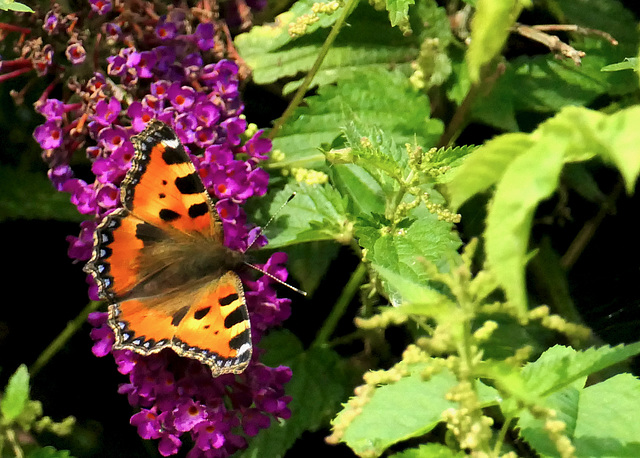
{"x":170,"y":70}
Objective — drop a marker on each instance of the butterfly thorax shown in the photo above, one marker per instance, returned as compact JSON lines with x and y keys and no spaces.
{"x":171,"y":261}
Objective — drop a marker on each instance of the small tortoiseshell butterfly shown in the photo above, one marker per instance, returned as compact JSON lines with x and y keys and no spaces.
{"x":161,"y":263}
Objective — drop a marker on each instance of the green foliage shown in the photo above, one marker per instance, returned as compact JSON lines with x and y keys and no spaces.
{"x":22,"y":417}
{"x":526,"y":168}
{"x":318,"y":384}
{"x":31,"y":195}
{"x":375,"y":170}
{"x":489,"y":31}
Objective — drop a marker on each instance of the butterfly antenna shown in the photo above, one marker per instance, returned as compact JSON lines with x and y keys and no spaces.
{"x":273,"y":277}
{"x":269,"y":222}
{"x":264,"y":272}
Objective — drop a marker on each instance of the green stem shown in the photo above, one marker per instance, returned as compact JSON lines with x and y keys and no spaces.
{"x":302,"y":90}
{"x":60,"y":341}
{"x":350,"y":290}
{"x":501,"y":436}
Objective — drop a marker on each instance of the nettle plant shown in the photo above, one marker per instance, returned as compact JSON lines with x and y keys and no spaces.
{"x":455,"y":351}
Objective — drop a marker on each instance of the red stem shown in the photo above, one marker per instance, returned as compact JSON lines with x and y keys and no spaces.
{"x":13,"y":74}
{"x":14,"y":28}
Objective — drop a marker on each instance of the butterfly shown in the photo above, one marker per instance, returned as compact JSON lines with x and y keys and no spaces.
{"x":161,"y":263}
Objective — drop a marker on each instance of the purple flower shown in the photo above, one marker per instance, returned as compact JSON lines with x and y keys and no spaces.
{"x":51,"y":22}
{"x":101,"y":6}
{"x":166,"y":30}
{"x":59,"y":175}
{"x":48,"y":135}
{"x":107,"y":112}
{"x":204,"y":36}
{"x":148,"y":423}
{"x":76,"y":53}
{"x":181,"y":97}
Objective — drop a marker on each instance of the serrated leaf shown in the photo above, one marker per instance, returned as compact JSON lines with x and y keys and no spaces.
{"x":368,"y":43}
{"x":403,"y":251}
{"x":316,"y":213}
{"x":365,"y":193}
{"x":546,"y":84}
{"x":560,"y":366}
{"x":362,"y":99}
{"x":404,"y":409}
{"x":490,"y":28}
{"x":317,"y":387}
{"x":16,"y":394}
{"x":602,"y":420}
{"x":31,"y":195}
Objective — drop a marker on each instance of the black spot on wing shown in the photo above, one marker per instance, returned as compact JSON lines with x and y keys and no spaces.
{"x":228,"y":299}
{"x":168,"y":215}
{"x":237,"y":316}
{"x":189,"y":184}
{"x":179,"y":315}
{"x":201,"y":313}
{"x":173,"y":156}
{"x":198,"y":210}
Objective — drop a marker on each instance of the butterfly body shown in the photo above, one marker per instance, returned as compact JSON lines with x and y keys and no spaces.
{"x":161,"y":263}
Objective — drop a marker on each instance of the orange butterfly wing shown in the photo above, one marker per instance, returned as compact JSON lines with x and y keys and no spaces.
{"x":161,"y":263}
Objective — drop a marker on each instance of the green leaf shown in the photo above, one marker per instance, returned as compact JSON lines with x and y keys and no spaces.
{"x":545,"y":84}
{"x":629,"y":63}
{"x":526,"y":170}
{"x":530,"y":178}
{"x":398,"y":11}
{"x":360,"y":98}
{"x":368,"y":44}
{"x":316,"y":213}
{"x":399,"y":411}
{"x":317,"y":387}
{"x":414,"y":298}
{"x":310,"y":274}
{"x":364,"y":192}
{"x":490,"y":28}
{"x":433,"y":450}
{"x":49,"y":452}
{"x":560,"y":366}
{"x":11,"y":5}
{"x":31,"y":195}
{"x":602,"y":420}
{"x":16,"y":394}
{"x":403,"y":251}
{"x":408,"y":408}
{"x":485,"y":167}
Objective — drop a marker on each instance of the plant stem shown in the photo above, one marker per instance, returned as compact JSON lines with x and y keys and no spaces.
{"x":299,"y":95}
{"x":350,"y":290}
{"x":60,"y":341}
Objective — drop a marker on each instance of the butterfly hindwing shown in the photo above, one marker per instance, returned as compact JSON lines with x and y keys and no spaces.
{"x":210,"y":324}
{"x":161,"y":262}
